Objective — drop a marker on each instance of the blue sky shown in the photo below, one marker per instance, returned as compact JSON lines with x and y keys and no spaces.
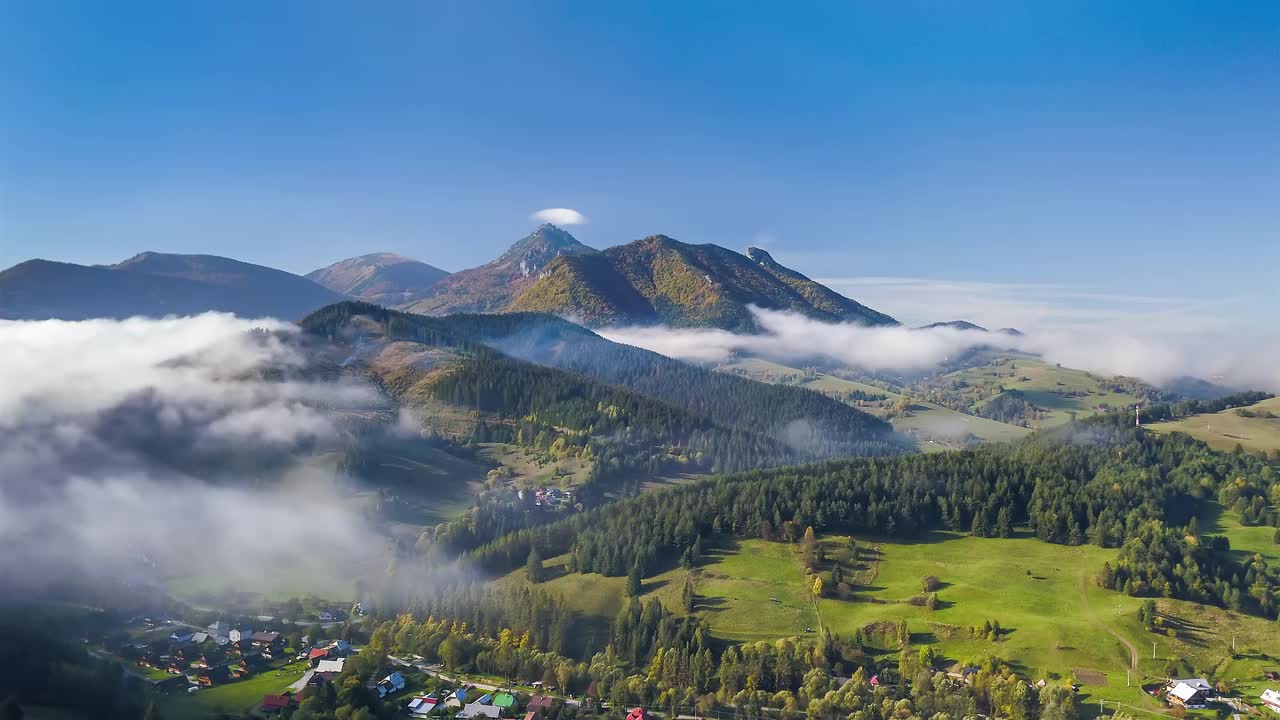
{"x":1123,"y":147}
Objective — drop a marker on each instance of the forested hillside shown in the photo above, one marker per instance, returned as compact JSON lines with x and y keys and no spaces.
{"x":1096,"y":482}
{"x":811,"y":422}
{"x":631,"y":410}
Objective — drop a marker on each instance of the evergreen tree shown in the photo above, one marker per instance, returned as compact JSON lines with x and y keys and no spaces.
{"x":635,"y":580}
{"x":533,"y":566}
{"x":687,"y":597}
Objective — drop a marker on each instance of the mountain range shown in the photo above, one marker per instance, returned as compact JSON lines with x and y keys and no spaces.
{"x":380,"y":278}
{"x":155,"y":284}
{"x":653,"y":280}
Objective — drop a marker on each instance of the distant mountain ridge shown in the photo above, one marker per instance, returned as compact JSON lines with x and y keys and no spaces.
{"x":491,"y":287}
{"x":153,"y":285}
{"x":380,"y":278}
{"x":661,"y":280}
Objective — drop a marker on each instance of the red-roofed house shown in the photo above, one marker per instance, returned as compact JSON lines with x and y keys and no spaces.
{"x":638,"y":714}
{"x":276,"y":703}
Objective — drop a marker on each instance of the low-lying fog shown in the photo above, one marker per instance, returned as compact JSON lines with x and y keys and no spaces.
{"x":135,"y":447}
{"x":790,"y":337}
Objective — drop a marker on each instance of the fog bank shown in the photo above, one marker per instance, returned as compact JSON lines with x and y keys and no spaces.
{"x":791,"y":337}
{"x":132,"y":449}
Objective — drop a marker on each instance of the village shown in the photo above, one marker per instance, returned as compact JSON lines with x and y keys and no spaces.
{"x":187,"y":665}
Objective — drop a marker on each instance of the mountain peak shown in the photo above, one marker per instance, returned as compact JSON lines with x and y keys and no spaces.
{"x":761,"y":256}
{"x":547,"y":242}
{"x":491,"y":286}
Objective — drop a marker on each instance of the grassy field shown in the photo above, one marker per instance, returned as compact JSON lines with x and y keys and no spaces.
{"x":935,"y":427}
{"x":1059,"y":391}
{"x":233,"y":697}
{"x":1228,"y":428}
{"x":1059,"y":623}
{"x":529,"y":470}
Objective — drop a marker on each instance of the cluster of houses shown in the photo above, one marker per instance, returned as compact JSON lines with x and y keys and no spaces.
{"x":480,"y":705}
{"x":548,"y":497}
{"x":202,"y":658}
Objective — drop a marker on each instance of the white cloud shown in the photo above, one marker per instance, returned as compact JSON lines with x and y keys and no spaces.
{"x":790,"y":337}
{"x":560,"y":216}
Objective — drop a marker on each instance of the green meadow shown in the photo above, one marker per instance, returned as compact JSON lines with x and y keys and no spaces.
{"x":1229,"y":428}
{"x":1058,"y":624}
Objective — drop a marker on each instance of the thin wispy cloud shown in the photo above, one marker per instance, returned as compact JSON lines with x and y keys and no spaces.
{"x":560,"y":216}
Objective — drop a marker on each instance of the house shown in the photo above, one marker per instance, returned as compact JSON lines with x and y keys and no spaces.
{"x":1271,"y":699}
{"x":276,"y":703}
{"x":540,"y":703}
{"x":214,"y":676}
{"x":266,"y":639}
{"x":475,"y":709}
{"x":1189,"y":693}
{"x":485,"y":699}
{"x":638,"y":714}
{"x":533,"y":715}
{"x":339,"y":648}
{"x":422,"y":705}
{"x":199,"y":638}
{"x":330,"y":666}
{"x":390,"y":684}
{"x":504,"y":700}
{"x":181,"y":635}
{"x":320,"y":678}
{"x":219,"y":629}
{"x":317,"y":654}
{"x":237,"y":634}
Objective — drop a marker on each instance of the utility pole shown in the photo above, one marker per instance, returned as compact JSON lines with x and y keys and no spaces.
{"x":1153,"y":649}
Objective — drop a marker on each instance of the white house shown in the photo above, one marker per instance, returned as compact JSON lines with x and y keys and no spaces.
{"x":1271,"y":699}
{"x":334,"y":666}
{"x":422,"y":705}
{"x":244,"y":632}
{"x":1190,"y":692}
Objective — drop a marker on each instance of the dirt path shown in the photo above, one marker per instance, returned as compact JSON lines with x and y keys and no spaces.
{"x":1082,"y":582}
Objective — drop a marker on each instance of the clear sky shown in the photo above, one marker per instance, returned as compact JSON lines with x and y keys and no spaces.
{"x":1124,"y":146}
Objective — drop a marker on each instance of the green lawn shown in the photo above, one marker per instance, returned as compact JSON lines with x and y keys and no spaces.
{"x":233,"y":697}
{"x":1058,"y":620}
{"x":1228,"y":428}
{"x":529,"y":469}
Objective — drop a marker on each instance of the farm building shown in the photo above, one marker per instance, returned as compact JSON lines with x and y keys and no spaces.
{"x":1271,"y":699}
{"x":1190,"y":692}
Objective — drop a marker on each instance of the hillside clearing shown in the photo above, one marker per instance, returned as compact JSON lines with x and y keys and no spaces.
{"x":1229,"y":428}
